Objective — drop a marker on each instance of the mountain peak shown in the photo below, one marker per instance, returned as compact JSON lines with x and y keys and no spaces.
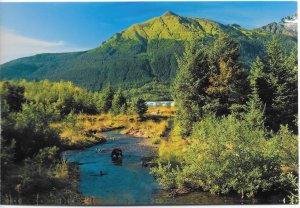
{"x":169,"y":13}
{"x":292,"y":18}
{"x":287,"y":26}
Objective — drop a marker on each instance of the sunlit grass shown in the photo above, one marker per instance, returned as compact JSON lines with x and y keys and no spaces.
{"x":163,"y":111}
{"x":84,"y":128}
{"x":172,"y":149}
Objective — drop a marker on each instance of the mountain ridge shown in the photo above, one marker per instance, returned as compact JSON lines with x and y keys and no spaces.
{"x":140,"y":54}
{"x":286,"y":26}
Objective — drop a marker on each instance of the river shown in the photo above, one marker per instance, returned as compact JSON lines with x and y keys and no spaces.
{"x":129,"y":183}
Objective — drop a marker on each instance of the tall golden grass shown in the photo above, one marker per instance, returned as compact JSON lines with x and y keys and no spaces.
{"x":155,"y":127}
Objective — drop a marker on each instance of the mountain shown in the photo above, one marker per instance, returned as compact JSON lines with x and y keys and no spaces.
{"x":287,"y":26}
{"x":143,"y":53}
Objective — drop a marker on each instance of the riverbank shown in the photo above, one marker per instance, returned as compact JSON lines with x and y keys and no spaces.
{"x":67,"y":192}
{"x":32,"y":183}
{"x":83,"y":131}
{"x":126,"y":183}
{"x":136,"y":186}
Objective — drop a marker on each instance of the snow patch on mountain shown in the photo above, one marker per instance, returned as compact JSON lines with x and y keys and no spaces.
{"x":290,"y":22}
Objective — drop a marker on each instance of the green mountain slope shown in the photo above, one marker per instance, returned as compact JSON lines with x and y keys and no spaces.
{"x":141,"y":54}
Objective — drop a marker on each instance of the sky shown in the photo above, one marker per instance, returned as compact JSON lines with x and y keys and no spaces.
{"x":31,"y":28}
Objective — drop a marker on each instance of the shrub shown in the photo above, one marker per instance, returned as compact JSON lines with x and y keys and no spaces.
{"x":226,"y":154}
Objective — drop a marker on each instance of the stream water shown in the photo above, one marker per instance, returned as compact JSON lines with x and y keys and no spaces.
{"x":129,"y":183}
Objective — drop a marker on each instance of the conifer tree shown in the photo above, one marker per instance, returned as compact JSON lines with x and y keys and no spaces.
{"x":13,"y":95}
{"x":227,"y":81}
{"x":283,"y":79}
{"x":106,"y":99}
{"x":255,"y":107}
{"x":189,"y":88}
{"x":118,"y":103}
{"x":292,"y":60}
{"x":139,"y":106}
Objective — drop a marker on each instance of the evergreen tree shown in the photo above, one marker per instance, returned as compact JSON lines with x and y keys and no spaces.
{"x":208,"y":81}
{"x":119,"y":104}
{"x":227,"y":82}
{"x":292,"y":60}
{"x":255,"y":107}
{"x":283,"y":80}
{"x":274,"y":80}
{"x":13,"y":95}
{"x":140,"y":107}
{"x":107,"y":96}
{"x":189,"y":88}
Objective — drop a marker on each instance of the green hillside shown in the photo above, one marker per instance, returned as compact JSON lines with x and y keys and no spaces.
{"x":141,"y":54}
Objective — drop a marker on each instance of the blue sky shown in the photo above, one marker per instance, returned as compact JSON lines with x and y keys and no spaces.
{"x":61,"y":27}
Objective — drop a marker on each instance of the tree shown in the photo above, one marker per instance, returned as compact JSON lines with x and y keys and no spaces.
{"x":282,"y":79}
{"x":255,"y":108}
{"x":140,"y":107}
{"x":119,"y":104}
{"x":227,"y":81}
{"x":292,"y":60}
{"x":274,"y":79}
{"x":107,"y":96}
{"x":30,"y":130}
{"x":13,"y":95}
{"x":189,"y":86}
{"x":47,"y":155}
{"x":208,"y":81}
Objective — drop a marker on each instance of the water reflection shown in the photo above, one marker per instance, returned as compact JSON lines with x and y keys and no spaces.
{"x":116,"y":161}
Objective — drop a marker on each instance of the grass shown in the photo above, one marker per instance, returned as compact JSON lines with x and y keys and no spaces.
{"x":156,"y":141}
{"x":77,"y":133}
{"x":162,"y":111}
{"x":85,"y":130}
{"x":172,"y":149}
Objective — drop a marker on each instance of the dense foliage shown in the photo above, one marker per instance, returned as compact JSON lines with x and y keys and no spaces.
{"x":240,"y":127}
{"x":31,"y":166}
{"x":208,"y":81}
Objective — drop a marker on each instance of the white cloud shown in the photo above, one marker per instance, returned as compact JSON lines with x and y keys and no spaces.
{"x":13,"y":46}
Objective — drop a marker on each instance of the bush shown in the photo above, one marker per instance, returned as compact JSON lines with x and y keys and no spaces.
{"x":286,"y":145}
{"x":226,"y":155}
{"x":165,"y":175}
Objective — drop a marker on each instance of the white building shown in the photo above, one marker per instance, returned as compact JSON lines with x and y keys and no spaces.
{"x":160,"y":103}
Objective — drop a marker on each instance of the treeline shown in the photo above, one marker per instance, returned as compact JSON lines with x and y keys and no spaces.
{"x":152,"y":91}
{"x":241,"y":125}
{"x":61,"y":98}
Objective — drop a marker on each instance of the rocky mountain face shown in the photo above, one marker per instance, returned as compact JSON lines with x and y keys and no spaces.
{"x":287,"y":26}
{"x":141,"y":54}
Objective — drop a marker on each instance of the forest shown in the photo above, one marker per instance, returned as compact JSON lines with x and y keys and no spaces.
{"x":234,"y":130}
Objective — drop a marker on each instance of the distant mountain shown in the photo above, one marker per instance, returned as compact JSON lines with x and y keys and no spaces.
{"x":141,"y":54}
{"x":287,"y":26}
